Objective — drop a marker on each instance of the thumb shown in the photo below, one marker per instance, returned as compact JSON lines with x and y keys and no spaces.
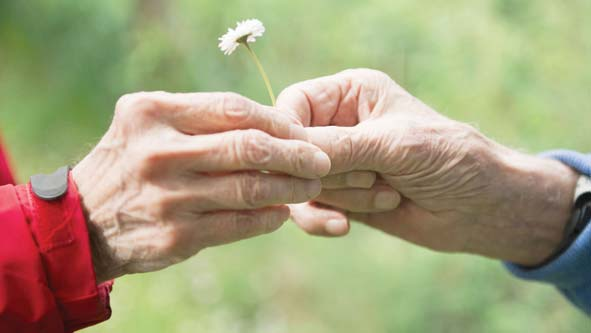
{"x":294,"y":101}
{"x":327,"y":100}
{"x":349,"y":148}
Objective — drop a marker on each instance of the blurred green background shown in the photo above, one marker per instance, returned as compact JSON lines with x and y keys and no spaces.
{"x":519,"y":70}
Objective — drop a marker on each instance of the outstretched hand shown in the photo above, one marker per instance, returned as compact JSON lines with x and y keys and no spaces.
{"x":177,"y":173}
{"x":459,"y":191}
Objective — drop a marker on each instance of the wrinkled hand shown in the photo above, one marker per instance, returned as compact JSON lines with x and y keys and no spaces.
{"x":176,"y":173}
{"x":460,"y":190}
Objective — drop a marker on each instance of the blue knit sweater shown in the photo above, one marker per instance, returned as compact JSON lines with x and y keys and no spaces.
{"x":571,"y":272}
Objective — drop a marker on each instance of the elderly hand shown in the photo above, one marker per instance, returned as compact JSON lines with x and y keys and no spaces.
{"x":460,"y":190}
{"x":176,"y":173}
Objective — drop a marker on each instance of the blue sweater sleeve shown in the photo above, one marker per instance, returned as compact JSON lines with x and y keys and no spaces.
{"x":571,"y":272}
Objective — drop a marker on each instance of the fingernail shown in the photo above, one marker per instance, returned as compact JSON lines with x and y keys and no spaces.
{"x":297,"y":132}
{"x":336,"y":227}
{"x":321,"y":164}
{"x":313,"y":188}
{"x":386,"y":200}
{"x":360,"y":180}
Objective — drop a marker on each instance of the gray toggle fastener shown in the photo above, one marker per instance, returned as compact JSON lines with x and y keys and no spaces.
{"x":53,"y":186}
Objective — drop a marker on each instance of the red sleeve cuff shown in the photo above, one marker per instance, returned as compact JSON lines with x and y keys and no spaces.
{"x":59,"y":229}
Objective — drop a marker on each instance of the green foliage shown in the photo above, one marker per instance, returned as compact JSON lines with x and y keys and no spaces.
{"x":516,"y":69}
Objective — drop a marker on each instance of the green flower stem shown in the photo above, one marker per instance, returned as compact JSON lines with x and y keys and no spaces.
{"x":262,"y":71}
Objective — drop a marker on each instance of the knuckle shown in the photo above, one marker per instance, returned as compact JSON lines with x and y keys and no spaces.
{"x":253,"y":190}
{"x":256,"y":223}
{"x":303,"y":159}
{"x":244,"y":218}
{"x":171,"y":236}
{"x":140,"y":104}
{"x":255,"y":147}
{"x":235,"y":107}
{"x":124,"y":101}
{"x":297,"y":191}
{"x":162,"y":205}
{"x":245,"y":222}
{"x":149,"y":161}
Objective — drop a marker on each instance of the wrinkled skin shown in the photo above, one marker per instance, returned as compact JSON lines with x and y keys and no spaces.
{"x":458,"y":190}
{"x":177,"y":173}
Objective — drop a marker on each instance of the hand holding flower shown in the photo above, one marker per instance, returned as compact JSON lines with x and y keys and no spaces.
{"x":460,"y":190}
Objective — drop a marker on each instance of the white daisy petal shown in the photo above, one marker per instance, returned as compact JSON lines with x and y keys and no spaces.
{"x":251,"y":29}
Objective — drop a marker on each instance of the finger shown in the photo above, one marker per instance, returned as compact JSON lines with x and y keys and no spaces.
{"x":329,"y":100}
{"x":244,"y":150}
{"x":342,"y":99}
{"x":319,"y":221}
{"x":353,"y":179}
{"x":243,"y":190}
{"x":199,"y":113}
{"x":377,"y":199}
{"x":218,"y":228}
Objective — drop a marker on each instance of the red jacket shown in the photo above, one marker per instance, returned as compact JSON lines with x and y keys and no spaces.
{"x":47,"y":281}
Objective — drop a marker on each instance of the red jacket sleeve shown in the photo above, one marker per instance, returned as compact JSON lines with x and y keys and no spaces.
{"x":47,"y":281}
{"x":5,"y":174}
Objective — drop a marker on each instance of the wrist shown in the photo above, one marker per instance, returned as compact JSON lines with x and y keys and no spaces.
{"x":535,"y":201}
{"x":104,"y":263}
{"x":104,"y":266}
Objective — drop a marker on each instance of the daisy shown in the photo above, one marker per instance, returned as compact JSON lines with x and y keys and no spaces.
{"x":246,"y":32}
